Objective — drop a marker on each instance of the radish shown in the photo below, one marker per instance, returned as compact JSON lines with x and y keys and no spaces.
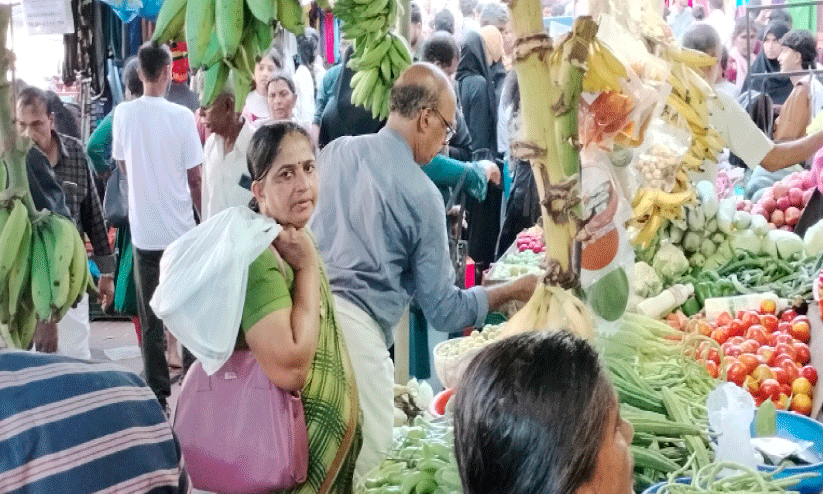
{"x":796,"y":196}
{"x":768,"y":205}
{"x":792,"y":215}
{"x":783,"y":203}
{"x":807,"y":195}
{"x":778,"y":218}
{"x":808,"y":180}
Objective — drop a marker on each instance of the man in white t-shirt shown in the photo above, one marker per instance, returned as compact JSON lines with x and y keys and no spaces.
{"x":722,"y":23}
{"x":156,"y":143}
{"x":736,"y":127}
{"x":226,"y":179}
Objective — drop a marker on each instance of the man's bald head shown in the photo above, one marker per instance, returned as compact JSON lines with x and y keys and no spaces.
{"x":422,"y":85}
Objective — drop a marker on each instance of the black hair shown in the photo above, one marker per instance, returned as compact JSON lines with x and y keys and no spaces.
{"x":699,"y":12}
{"x":781,"y":15}
{"x":803,"y":42}
{"x":703,"y":38}
{"x":307,"y":47}
{"x":494,"y":14}
{"x":717,"y":4}
{"x":467,"y":7}
{"x":530,"y":415}
{"x":776,"y":28}
{"x":153,"y":59}
{"x":32,"y":96}
{"x":265,"y":146}
{"x":409,"y":99}
{"x":511,"y":92}
{"x":415,"y":15}
{"x":724,"y":58}
{"x":443,"y":21}
{"x":440,"y":49}
{"x":282,"y":77}
{"x":131,"y":78}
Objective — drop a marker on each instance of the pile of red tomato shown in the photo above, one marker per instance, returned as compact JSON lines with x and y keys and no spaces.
{"x":765,"y":354}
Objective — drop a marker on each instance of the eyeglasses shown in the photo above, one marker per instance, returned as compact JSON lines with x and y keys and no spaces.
{"x":449,"y":130}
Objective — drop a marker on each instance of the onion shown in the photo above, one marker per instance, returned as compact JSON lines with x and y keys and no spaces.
{"x":768,"y":205}
{"x":792,"y":215}
{"x":783,"y":203}
{"x":796,"y":196}
{"x":780,"y":189}
{"x":808,"y":181}
{"x":778,"y":218}
{"x":807,"y":195}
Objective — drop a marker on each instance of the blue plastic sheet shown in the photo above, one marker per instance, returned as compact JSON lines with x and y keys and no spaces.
{"x":127,"y":10}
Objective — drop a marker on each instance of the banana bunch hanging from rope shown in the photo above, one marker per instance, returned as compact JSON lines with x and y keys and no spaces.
{"x":380,"y":55}
{"x":551,"y":308}
{"x":225,"y":37}
{"x":687,"y":108}
{"x":43,"y":270}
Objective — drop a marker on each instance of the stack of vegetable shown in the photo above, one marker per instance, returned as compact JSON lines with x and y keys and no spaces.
{"x":765,"y":354}
{"x":531,"y":239}
{"x":735,"y":478}
{"x":782,"y":203}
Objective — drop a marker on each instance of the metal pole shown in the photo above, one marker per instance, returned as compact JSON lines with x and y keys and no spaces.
{"x":787,"y":74}
{"x":781,"y":6}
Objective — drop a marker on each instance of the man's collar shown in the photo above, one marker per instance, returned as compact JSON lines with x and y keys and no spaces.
{"x":61,"y":147}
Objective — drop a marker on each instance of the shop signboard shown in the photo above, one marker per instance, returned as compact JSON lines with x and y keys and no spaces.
{"x":48,"y":16}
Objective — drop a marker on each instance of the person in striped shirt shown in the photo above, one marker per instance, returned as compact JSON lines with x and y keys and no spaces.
{"x":76,"y":426}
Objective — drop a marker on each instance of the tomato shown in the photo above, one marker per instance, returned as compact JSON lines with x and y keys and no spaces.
{"x":739,"y":314}
{"x":809,"y":373}
{"x":784,"y":338}
{"x":802,"y":386}
{"x":802,"y":319}
{"x":749,"y":361}
{"x":736,"y":340}
{"x":750,"y":319}
{"x":768,"y":353}
{"x":704,"y":328}
{"x":782,"y":402}
{"x":736,"y":373}
{"x":801,"y":331}
{"x":711,"y":366}
{"x":769,"y":322}
{"x":736,"y":328}
{"x":723,"y":319}
{"x":762,"y":372}
{"x":768,"y":306}
{"x":780,"y":375}
{"x":786,"y":389}
{"x":792,"y":370}
{"x":802,"y":404}
{"x":783,"y":328}
{"x":769,"y":388}
{"x":733,"y":351}
{"x":713,"y":355}
{"x":786,"y":349}
{"x":758,"y":334}
{"x":804,"y":355}
{"x":749,"y":346}
{"x":751,"y":385}
{"x":788,"y":315}
{"x":771,"y":339}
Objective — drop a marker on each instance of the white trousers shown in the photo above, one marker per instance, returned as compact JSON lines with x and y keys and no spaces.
{"x":374,"y":372}
{"x":73,"y":331}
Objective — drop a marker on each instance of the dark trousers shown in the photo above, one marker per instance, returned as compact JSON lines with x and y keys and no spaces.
{"x":146,"y":278}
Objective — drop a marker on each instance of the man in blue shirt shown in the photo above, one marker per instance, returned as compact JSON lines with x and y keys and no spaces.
{"x":380,"y":225}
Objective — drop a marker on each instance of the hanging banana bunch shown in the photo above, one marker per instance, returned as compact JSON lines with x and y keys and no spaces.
{"x":380,"y":54}
{"x":225,"y":37}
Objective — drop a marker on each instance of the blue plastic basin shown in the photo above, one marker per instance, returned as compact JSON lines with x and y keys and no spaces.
{"x":790,"y":425}
{"x":656,"y":487}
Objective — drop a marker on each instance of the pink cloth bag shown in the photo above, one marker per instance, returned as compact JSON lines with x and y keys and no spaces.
{"x":238,"y":431}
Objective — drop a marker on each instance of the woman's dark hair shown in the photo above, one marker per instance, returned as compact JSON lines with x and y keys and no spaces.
{"x":781,"y":15}
{"x":724,"y":58}
{"x":282,"y":77}
{"x":703,"y":38}
{"x":440,"y":49}
{"x":699,"y":12}
{"x":274,"y":56}
{"x":443,"y":21}
{"x":307,"y":47}
{"x":803,"y":42}
{"x":530,"y":415}
{"x":776,"y":28}
{"x":131,"y":79}
{"x":265,"y":146}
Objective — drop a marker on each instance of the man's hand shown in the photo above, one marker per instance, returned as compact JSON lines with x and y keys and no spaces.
{"x":520,"y":289}
{"x":106,"y":289}
{"x":45,"y":337}
{"x":492,"y":171}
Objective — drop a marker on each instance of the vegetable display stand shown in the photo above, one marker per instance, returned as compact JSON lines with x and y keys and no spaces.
{"x":816,"y":347}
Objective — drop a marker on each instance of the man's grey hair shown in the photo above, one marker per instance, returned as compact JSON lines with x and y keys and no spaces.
{"x":409,"y":99}
{"x":494,"y":14}
{"x":467,"y":7}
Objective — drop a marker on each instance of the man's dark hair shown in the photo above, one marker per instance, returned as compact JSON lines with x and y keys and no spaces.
{"x":724,"y":58}
{"x":699,"y":12}
{"x":717,"y":4}
{"x":409,"y":99}
{"x":153,"y":59}
{"x":415,"y":13}
{"x":32,"y":96}
{"x":524,"y":427}
{"x":781,"y":15}
{"x":494,"y":14}
{"x":440,"y":49}
{"x":703,"y":38}
{"x":443,"y":21}
{"x":467,"y":7}
{"x":131,"y":77}
{"x":803,"y":42}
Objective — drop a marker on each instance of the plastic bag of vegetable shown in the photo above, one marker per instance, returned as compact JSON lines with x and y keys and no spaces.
{"x":670,"y":263}
{"x":813,"y":239}
{"x":646,"y":281}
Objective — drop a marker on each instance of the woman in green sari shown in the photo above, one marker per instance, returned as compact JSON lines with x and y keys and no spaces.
{"x":289,"y":320}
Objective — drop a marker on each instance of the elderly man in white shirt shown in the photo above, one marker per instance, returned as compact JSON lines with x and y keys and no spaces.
{"x":226,"y":179}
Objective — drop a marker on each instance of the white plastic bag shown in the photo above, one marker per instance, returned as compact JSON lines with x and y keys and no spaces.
{"x":731,"y":411}
{"x":203,"y":278}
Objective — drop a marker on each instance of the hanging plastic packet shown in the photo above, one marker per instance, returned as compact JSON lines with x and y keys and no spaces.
{"x":658,"y":159}
{"x":731,"y":411}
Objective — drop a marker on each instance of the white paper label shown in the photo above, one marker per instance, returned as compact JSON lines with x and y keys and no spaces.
{"x":48,"y":16}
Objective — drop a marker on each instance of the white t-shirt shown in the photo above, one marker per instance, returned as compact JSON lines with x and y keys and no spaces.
{"x":256,"y":107}
{"x":158,"y":141}
{"x":737,"y":128}
{"x":304,"y":84}
{"x":224,"y":174}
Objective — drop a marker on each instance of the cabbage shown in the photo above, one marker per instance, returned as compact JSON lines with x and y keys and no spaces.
{"x":813,"y":240}
{"x":708,"y":198}
{"x":707,"y":248}
{"x":725,"y":214}
{"x":691,"y":242}
{"x":742,"y":220}
{"x":747,"y":241}
{"x":646,"y":281}
{"x":759,"y":225}
{"x":670,"y":263}
{"x":783,"y":244}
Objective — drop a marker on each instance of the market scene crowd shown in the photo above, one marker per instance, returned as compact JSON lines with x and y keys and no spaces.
{"x":389,"y":231}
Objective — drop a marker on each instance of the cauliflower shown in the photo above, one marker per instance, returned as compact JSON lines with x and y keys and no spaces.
{"x":646,"y":282}
{"x":670,"y":263}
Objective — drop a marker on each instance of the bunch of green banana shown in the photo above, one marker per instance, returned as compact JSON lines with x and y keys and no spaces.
{"x":380,"y":55}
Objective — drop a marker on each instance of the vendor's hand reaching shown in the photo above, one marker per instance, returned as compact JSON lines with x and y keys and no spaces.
{"x":523,"y":287}
{"x":492,"y":171}
{"x":295,"y":247}
{"x":45,"y":337}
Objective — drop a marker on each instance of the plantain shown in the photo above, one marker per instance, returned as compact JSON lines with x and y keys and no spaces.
{"x":170,"y":20}
{"x":200,"y":19}
{"x":290,"y":15}
{"x":214,"y":79}
{"x":229,"y":22}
